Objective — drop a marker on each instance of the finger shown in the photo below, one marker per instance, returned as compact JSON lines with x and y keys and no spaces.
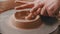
{"x":56,"y":12}
{"x":36,"y":7}
{"x":26,"y":6}
{"x":33,"y":15}
{"x":19,"y":3}
{"x":51,"y":10}
{"x":34,"y":11}
{"x":38,"y":11}
{"x":44,"y":12}
{"x":30,"y":16}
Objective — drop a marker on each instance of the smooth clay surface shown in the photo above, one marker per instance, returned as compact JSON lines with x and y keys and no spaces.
{"x":23,"y":23}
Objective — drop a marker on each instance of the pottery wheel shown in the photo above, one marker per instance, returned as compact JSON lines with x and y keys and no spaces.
{"x":7,"y":29}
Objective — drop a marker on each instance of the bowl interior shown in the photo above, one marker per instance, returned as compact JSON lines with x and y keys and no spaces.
{"x":21,"y":14}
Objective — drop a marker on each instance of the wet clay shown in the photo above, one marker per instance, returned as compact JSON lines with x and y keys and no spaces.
{"x":29,"y":24}
{"x":22,"y":15}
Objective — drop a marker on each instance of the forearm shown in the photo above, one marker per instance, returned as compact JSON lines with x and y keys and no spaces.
{"x":6,"y":5}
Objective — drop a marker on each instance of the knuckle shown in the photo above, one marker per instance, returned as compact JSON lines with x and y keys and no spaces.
{"x":49,"y":9}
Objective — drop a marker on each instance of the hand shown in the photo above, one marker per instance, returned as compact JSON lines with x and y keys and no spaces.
{"x":43,"y":7}
{"x":47,"y":7}
{"x":52,"y":8}
{"x":28,"y":5}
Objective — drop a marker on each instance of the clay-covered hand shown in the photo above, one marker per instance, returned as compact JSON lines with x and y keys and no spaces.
{"x":38,"y":5}
{"x":52,"y":8}
{"x":47,"y":7}
{"x":42,"y":7}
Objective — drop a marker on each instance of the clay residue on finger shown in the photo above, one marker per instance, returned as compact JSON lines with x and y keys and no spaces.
{"x":30,"y":16}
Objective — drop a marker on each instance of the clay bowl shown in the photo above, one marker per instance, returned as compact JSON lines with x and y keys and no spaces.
{"x":19,"y":21}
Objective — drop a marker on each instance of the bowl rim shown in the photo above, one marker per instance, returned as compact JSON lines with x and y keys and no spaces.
{"x":18,"y":20}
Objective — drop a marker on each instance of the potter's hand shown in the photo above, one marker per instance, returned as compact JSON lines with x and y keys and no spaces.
{"x":46,"y":8}
{"x":49,"y":8}
{"x":42,"y":7}
{"x":36,"y":9}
